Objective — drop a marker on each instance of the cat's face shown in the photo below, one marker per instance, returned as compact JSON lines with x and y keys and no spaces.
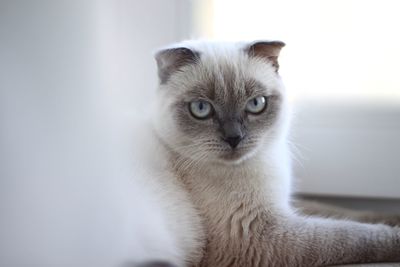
{"x":218,"y":103}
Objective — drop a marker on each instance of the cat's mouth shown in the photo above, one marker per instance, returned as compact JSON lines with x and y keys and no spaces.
{"x":234,"y":155}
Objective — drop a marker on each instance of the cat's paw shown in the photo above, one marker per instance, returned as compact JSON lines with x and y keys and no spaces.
{"x":394,"y":247}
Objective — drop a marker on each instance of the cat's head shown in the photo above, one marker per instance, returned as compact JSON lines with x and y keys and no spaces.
{"x":219,"y":101}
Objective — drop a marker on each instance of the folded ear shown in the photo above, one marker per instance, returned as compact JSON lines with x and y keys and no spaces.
{"x":268,"y":50}
{"x":171,"y":60}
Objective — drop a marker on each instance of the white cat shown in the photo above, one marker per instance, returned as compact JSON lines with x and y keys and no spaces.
{"x":203,"y":181}
{"x":218,"y":167}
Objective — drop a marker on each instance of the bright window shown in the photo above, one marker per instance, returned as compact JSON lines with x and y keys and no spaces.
{"x":336,"y":49}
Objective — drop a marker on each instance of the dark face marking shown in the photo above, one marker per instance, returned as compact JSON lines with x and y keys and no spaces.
{"x":231,"y":132}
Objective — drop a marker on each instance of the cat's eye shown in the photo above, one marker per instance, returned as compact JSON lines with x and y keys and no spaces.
{"x":256,"y":105}
{"x":200,"y":109}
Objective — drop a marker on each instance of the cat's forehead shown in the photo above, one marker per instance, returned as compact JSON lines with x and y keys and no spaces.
{"x":224,"y":78}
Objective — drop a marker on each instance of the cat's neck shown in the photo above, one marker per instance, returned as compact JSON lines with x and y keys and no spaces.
{"x":262,"y":179}
{"x":216,"y":172}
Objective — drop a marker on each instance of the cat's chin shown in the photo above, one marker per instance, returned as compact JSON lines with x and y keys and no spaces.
{"x":235,"y":157}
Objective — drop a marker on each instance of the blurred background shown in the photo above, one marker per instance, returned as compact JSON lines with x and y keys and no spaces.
{"x":63,"y":62}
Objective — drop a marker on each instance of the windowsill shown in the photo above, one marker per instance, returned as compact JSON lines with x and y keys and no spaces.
{"x":347,"y":150}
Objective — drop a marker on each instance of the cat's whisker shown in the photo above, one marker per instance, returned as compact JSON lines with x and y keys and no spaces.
{"x":234,"y":169}
{"x":295,"y":153}
{"x":188,"y":163}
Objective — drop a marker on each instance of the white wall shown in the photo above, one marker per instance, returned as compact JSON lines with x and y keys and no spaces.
{"x":129,"y":34}
{"x":61,"y":201}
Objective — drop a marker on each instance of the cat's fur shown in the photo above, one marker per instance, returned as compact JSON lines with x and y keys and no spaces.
{"x":230,"y":207}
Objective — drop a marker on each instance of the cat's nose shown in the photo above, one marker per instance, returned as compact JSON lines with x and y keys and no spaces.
{"x":233,"y":141}
{"x":232,"y":132}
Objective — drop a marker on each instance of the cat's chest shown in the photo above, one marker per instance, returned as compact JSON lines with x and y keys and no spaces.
{"x":233,"y":212}
{"x":234,"y":235}
{"x":235,"y":225}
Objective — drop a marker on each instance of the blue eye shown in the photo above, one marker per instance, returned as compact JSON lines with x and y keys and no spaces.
{"x":200,"y":109}
{"x":256,"y":105}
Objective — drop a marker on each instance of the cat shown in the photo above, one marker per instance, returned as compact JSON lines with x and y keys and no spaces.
{"x":220,"y":166}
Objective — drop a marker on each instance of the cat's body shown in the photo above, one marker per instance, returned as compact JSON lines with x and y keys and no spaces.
{"x":220,"y":166}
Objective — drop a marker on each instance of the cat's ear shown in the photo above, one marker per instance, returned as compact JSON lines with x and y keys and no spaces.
{"x":172,"y":59}
{"x":268,"y":50}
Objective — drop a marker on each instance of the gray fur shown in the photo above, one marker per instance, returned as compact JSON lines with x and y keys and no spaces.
{"x":242,"y":194}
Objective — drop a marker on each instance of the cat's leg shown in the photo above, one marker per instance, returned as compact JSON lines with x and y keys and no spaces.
{"x":308,"y":207}
{"x":312,"y":241}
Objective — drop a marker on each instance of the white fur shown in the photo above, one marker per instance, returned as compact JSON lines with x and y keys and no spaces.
{"x":268,"y":165}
